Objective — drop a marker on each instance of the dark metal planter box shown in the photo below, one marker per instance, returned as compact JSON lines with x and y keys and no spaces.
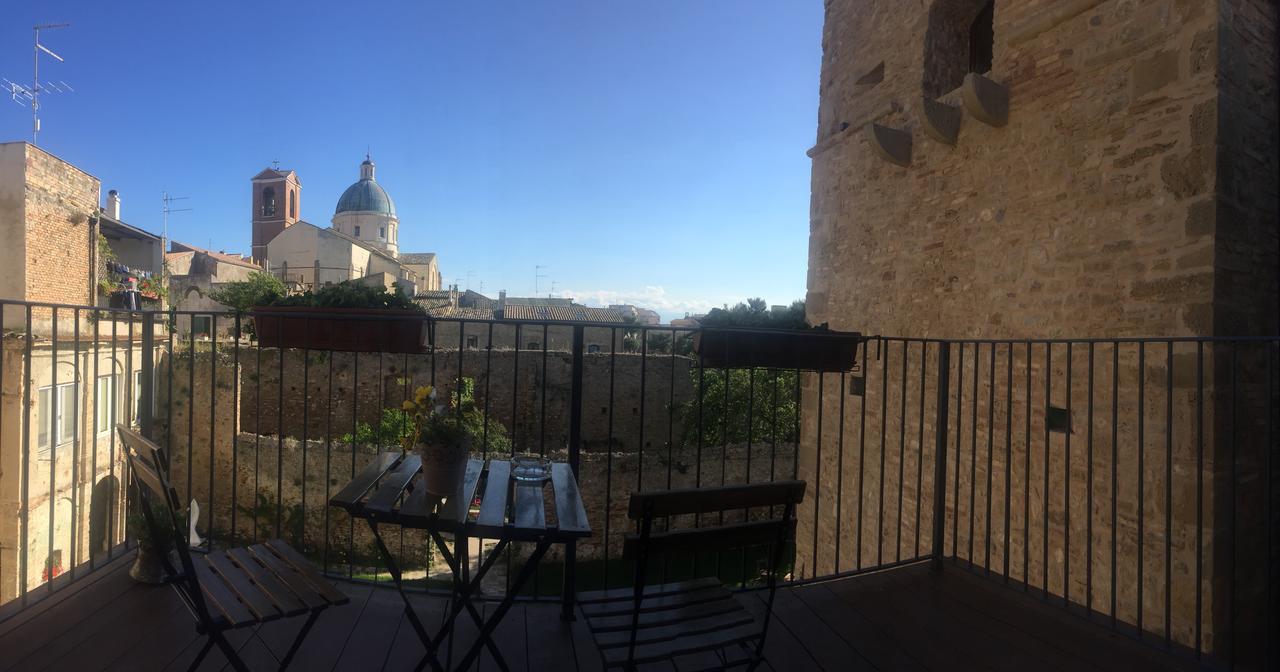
{"x":812,"y":350}
{"x":342,"y":329}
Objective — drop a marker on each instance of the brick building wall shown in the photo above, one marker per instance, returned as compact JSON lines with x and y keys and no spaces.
{"x":60,"y":201}
{"x":1130,"y":193}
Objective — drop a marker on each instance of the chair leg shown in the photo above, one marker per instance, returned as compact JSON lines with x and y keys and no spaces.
{"x":204,"y":651}
{"x":297,"y":641}
{"x":233,"y":656}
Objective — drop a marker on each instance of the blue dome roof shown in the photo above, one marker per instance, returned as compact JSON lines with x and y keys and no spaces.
{"x":366,"y":196}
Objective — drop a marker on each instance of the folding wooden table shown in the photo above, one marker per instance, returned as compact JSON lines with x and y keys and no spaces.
{"x":390,"y":491}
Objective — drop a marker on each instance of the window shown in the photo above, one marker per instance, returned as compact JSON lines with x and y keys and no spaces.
{"x":104,"y":404}
{"x":357,"y":231}
{"x":473,"y":342}
{"x":56,"y":416}
{"x":269,"y":202}
{"x":137,"y":398}
{"x":959,"y":39}
{"x":202,"y":325}
{"x":293,"y":204}
{"x":381,"y":232}
{"x":982,"y":39}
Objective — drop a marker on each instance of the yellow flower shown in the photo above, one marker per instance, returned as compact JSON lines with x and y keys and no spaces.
{"x":422,"y":393}
{"x":408,"y":405}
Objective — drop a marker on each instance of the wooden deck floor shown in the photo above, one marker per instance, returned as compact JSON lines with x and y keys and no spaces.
{"x":906,"y":618}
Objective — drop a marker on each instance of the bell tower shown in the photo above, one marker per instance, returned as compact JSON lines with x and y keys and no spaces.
{"x":277,"y":199}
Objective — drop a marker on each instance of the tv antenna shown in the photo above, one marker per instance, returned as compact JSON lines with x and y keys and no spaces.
{"x":168,"y":208}
{"x":553,"y":290}
{"x":538,"y":275}
{"x":23,"y":94}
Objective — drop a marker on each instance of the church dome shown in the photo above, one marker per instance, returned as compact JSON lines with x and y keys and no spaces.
{"x":366,"y":195}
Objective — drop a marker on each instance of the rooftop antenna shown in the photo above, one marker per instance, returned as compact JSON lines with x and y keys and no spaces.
{"x":275,"y":164}
{"x":537,"y":275}
{"x":168,"y":208}
{"x":469,"y":275}
{"x":21,"y":94}
{"x":553,"y":290}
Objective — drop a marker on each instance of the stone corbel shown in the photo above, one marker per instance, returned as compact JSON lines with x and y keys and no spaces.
{"x":890,"y":144}
{"x":985,"y":100}
{"x":941,"y":121}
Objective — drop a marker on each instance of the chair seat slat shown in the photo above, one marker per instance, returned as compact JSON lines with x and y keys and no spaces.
{"x":665,"y":650}
{"x":663,"y":633}
{"x":286,"y":573}
{"x":663,"y":603}
{"x":294,"y":558}
{"x":220,"y":597}
{"x":666,"y":617}
{"x":263,"y":608}
{"x":649,"y":591}
{"x":288,"y":602}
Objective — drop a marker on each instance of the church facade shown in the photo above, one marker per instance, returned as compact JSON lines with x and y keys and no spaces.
{"x":361,"y":242}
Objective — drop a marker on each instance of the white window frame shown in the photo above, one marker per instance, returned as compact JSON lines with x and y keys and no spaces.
{"x":106,"y":402}
{"x":45,"y":398}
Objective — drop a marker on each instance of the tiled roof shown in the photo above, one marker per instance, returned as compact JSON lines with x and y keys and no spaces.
{"x":573,"y":313}
{"x":449,"y":312}
{"x":417,"y":257}
{"x":225,"y":258}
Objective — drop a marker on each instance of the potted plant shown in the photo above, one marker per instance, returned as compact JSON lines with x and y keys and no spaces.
{"x":153,"y":544}
{"x":349,"y":316}
{"x":441,"y":437}
{"x":812,"y":349}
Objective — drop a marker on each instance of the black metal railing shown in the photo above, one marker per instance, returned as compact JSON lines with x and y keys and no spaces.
{"x":1128,"y":480}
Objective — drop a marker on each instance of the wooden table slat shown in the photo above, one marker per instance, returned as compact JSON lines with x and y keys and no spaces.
{"x":530,"y":511}
{"x":493,"y":506}
{"x":393,"y":484}
{"x":419,"y":503}
{"x":459,"y":505}
{"x":349,"y":495}
{"x":571,"y":516}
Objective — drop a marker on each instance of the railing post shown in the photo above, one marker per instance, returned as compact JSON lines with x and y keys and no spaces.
{"x":940,"y":454}
{"x":575,"y":454}
{"x":146,"y":396}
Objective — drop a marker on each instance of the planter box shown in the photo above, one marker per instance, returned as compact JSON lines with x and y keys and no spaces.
{"x":342,"y":329}
{"x":812,"y":350}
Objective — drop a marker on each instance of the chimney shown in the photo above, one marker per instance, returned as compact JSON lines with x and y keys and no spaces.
{"x":113,"y":204}
{"x":453,"y":296}
{"x":502,"y":299}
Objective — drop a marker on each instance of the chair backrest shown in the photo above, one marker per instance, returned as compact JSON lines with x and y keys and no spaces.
{"x":771,"y":530}
{"x":149,"y":468}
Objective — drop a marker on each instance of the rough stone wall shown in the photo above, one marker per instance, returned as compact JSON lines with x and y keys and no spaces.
{"x":531,"y":400}
{"x":60,"y":200}
{"x":1098,"y":210}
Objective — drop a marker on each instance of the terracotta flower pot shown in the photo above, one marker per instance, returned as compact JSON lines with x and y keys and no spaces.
{"x":444,"y":466}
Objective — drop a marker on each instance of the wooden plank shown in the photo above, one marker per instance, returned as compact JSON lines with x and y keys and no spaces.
{"x":585,"y":650}
{"x":420,"y":504}
{"x":219,"y":597}
{"x":660,"y":603}
{"x":866,"y":637}
{"x":290,"y":602}
{"x":353,"y":491}
{"x":493,"y":504}
{"x":259,"y":602}
{"x":392,"y":485}
{"x":285,"y":572}
{"x":721,"y":537}
{"x":369,"y":641}
{"x":109,"y":639}
{"x":329,"y":636}
{"x":571,"y":515}
{"x":657,"y":632}
{"x":550,"y":639}
{"x":530,"y":508}
{"x":603,"y":624}
{"x":827,"y":648}
{"x":781,"y":648}
{"x":458,"y":506}
{"x":656,"y":589}
{"x":683,"y":645}
{"x":307,"y":571}
{"x":406,"y":648}
{"x":724,"y":498}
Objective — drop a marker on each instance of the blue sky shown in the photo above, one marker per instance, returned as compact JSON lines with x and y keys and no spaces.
{"x":649,"y":151}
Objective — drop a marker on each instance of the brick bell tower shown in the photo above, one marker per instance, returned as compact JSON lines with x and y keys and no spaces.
{"x":277,"y":200}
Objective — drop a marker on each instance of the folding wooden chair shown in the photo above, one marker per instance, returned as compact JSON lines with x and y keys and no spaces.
{"x":646,"y":624}
{"x":227,"y":589}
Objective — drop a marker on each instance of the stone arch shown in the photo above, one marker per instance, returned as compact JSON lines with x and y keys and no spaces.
{"x":949,"y":52}
{"x":103,"y":503}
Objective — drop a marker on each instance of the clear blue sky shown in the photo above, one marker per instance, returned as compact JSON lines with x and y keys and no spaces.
{"x":648,"y":150}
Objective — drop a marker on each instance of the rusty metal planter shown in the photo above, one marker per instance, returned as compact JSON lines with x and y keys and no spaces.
{"x":342,"y":329}
{"x":812,"y":350}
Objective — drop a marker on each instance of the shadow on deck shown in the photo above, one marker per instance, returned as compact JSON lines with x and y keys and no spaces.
{"x":904,"y":618}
